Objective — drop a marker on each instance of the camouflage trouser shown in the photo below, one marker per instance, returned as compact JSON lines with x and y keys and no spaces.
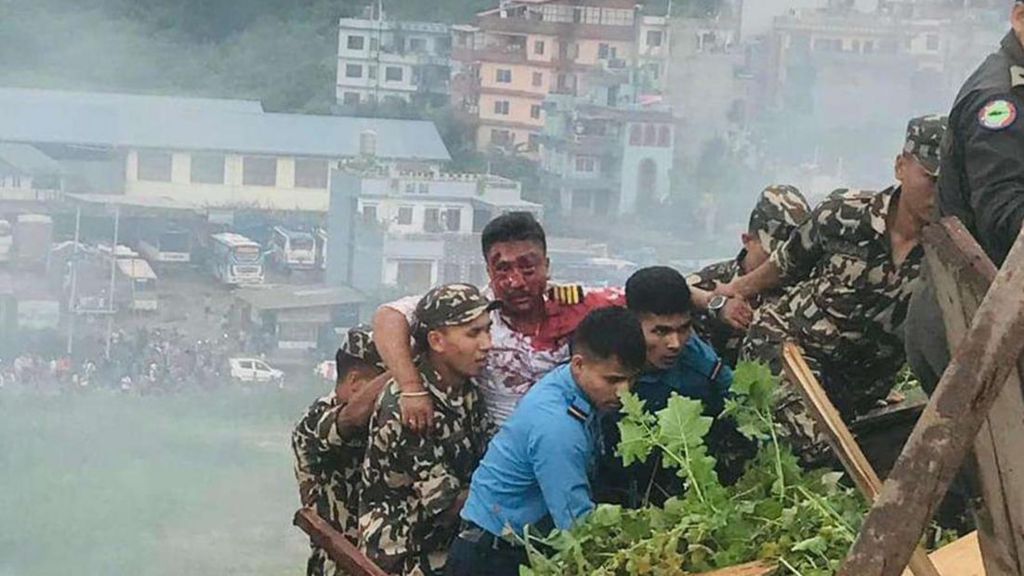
{"x":764,"y":344}
{"x":319,"y":564}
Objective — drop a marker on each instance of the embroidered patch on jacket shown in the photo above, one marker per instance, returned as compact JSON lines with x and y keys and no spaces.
{"x":998,"y":115}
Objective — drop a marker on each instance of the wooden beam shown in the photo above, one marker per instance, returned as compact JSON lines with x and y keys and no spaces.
{"x":344,"y":553}
{"x":962,"y":274}
{"x":946,"y":431}
{"x":841,"y":440}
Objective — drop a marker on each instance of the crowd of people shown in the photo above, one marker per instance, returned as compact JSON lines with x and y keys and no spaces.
{"x":144,"y":361}
{"x":466,"y":416}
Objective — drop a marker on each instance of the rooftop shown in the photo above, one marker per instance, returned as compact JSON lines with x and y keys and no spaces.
{"x":126,"y":121}
{"x":26,"y":159}
{"x":286,"y":297}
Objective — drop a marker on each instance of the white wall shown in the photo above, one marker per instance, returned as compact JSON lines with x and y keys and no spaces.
{"x":232,"y":193}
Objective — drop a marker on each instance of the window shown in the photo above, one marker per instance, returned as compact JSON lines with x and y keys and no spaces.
{"x":451,"y":273}
{"x":538,"y":79}
{"x":636,"y":135}
{"x":417,"y":45}
{"x":155,"y":166}
{"x":310,"y":173}
{"x":452,"y":219}
{"x":869,"y":46}
{"x":501,"y":107}
{"x":370,"y":214}
{"x":353,"y":71}
{"x":432,"y":220}
{"x":374,"y":44}
{"x":650,"y":135}
{"x":355,"y":42}
{"x":405,"y":215}
{"x":207,"y":169}
{"x":585,"y":164}
{"x":259,"y":171}
{"x":664,"y":136}
{"x":933,"y":42}
{"x":535,"y":111}
{"x":654,"y":38}
{"x":501,"y":137}
{"x":533,"y":142}
{"x":538,"y":47}
{"x":581,"y":200}
{"x":503,"y":76}
{"x":393,"y":74}
{"x":410,"y":187}
{"x":415,"y":276}
{"x":350,"y":98}
{"x":371,"y":71}
{"x":603,"y":51}
{"x":423,"y":188}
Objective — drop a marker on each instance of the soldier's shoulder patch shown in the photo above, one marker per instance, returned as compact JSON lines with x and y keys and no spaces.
{"x":577,"y":413}
{"x":566,"y":294}
{"x":997,"y":114}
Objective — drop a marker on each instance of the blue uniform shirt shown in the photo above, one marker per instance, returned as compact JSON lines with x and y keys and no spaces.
{"x":698,"y":374}
{"x":538,"y":463}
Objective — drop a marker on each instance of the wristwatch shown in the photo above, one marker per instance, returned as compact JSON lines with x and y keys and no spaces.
{"x":717,"y":304}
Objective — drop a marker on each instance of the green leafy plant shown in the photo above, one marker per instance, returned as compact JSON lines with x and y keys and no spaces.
{"x":804,"y":521}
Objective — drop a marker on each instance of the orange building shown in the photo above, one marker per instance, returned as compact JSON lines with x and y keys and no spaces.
{"x":505,"y":65}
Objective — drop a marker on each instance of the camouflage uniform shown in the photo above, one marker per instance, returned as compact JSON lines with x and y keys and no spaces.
{"x":779,"y":210}
{"x":410,"y":481}
{"x":845,"y":301}
{"x":327,"y":464}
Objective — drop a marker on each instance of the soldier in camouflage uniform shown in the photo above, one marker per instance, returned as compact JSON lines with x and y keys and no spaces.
{"x":414,"y":485}
{"x":330,"y":440}
{"x":779,"y":210}
{"x":849,"y":272}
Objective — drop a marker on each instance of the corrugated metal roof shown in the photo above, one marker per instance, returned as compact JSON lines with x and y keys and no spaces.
{"x":28,"y":160}
{"x":191,"y":126}
{"x":122,"y":101}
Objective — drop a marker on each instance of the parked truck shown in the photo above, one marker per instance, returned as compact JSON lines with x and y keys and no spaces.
{"x":33,"y":234}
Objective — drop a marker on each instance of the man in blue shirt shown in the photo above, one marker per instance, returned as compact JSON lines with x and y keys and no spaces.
{"x":537,"y":468}
{"x":678,"y":362}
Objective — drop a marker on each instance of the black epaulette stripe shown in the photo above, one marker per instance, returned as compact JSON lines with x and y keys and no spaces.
{"x":577,"y":413}
{"x":716,"y":370}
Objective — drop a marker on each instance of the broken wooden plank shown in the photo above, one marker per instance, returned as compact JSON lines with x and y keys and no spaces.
{"x":841,"y":440}
{"x":962,"y":274}
{"x":959,"y":558}
{"x":946,"y":431}
{"x":344,"y":553}
{"x":752,"y":569}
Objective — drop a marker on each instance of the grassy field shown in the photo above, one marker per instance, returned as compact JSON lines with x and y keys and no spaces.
{"x":105,"y":484}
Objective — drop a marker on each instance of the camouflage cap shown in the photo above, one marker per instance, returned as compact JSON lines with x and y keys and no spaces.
{"x":924,"y":140}
{"x":779,"y":210}
{"x":359,"y":344}
{"x":452,"y":305}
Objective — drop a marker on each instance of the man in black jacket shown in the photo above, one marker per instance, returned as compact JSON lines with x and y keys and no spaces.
{"x":981,"y":182}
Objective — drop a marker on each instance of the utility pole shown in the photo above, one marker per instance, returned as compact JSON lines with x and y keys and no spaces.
{"x":73,"y":297}
{"x":111,"y":310}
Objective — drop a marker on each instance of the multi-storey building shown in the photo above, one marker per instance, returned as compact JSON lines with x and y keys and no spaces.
{"x":514,"y":56}
{"x":604,"y":160}
{"x":380,"y":60}
{"x":413,"y":229}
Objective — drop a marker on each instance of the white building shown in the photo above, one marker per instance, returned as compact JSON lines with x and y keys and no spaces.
{"x":206,"y":153}
{"x":380,"y":60}
{"x":429,"y":222}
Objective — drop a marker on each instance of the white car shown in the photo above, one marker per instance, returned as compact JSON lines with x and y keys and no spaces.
{"x":254,"y":370}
